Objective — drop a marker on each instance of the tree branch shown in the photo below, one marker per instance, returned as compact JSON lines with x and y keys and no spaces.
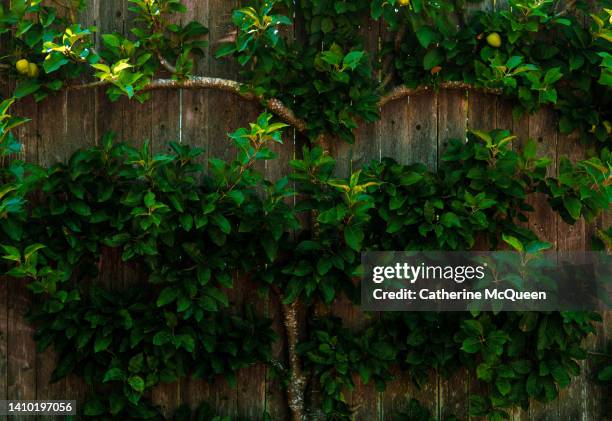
{"x":202,"y":82}
{"x":296,"y":388}
{"x":275,"y":105}
{"x":403,"y":91}
{"x":165,"y":64}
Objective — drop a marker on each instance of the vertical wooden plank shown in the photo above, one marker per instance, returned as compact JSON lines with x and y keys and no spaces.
{"x":4,"y":331}
{"x":21,"y":356}
{"x":452,"y":117}
{"x":452,"y":124}
{"x":572,"y":238}
{"x":6,"y":88}
{"x":542,"y":129}
{"x":229,"y":114}
{"x":194,"y":132}
{"x":157,"y":121}
{"x":363,"y":399}
{"x":481,"y":116}
{"x":351,"y":157}
{"x":21,"y":359}
{"x":481,"y":111}
{"x":393,"y":126}
{"x":274,"y":398}
{"x":52,"y":126}
{"x":164,"y":118}
{"x":194,"y":104}
{"x":520,"y":128}
{"x":251,"y":381}
{"x":543,"y":221}
{"x":409,"y":133}
{"x":109,"y":17}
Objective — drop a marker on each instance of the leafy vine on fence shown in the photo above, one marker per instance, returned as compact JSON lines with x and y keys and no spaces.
{"x":193,"y":235}
{"x":325,"y":76}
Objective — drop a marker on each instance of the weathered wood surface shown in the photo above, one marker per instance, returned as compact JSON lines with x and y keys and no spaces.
{"x":411,"y":129}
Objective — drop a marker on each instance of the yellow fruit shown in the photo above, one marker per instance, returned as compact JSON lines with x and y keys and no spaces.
{"x":494,"y":40}
{"x":608,"y":126}
{"x":404,"y":2}
{"x":22,"y":66}
{"x":33,"y":70}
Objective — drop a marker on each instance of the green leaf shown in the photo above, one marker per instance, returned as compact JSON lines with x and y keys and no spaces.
{"x":93,"y":408}
{"x":354,"y":237}
{"x":433,"y":58}
{"x":102,"y":343}
{"x":352,"y":59}
{"x":26,"y":88}
{"x":237,"y":196}
{"x":80,"y":208}
{"x":472,"y":327}
{"x":471,"y":345}
{"x":573,"y":206}
{"x":449,"y":219}
{"x":553,"y":75}
{"x":484,"y":372}
{"x":162,"y":338}
{"x":426,"y":35}
{"x":137,"y":383}
{"x":536,"y":246}
{"x":225,"y":50}
{"x":504,"y":386}
{"x":12,"y":253}
{"x":54,"y":61}
{"x":167,"y":296}
{"x":327,"y":25}
{"x":514,"y":61}
{"x":113,"y":374}
{"x":222,"y":222}
{"x":331,"y":57}
{"x":513,"y":242}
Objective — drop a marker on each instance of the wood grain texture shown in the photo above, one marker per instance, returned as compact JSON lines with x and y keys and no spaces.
{"x":226,"y":114}
{"x":543,"y":221}
{"x":452,"y":124}
{"x":571,"y":238}
{"x":21,"y":356}
{"x":411,"y":130}
{"x":409,"y":133}
{"x":193,"y":131}
{"x":53,"y":147}
{"x":363,"y":398}
{"x":4,"y":331}
{"x":6,"y":86}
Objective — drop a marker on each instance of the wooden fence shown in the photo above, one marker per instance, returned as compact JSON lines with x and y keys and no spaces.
{"x":411,"y":129}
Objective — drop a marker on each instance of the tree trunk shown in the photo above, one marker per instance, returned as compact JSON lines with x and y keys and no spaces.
{"x":297,"y":382}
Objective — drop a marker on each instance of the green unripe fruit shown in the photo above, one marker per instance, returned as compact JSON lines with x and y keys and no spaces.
{"x":22,"y":66}
{"x":494,"y":40}
{"x":33,"y":70}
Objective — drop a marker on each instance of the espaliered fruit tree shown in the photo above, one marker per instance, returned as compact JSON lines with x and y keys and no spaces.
{"x":299,"y":237}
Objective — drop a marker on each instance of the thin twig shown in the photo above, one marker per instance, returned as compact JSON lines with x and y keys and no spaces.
{"x":165,"y":64}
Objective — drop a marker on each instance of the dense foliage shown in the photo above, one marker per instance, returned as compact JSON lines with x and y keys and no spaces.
{"x":328,"y":70}
{"x":193,"y":233}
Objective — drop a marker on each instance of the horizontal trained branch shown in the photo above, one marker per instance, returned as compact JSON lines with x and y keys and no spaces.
{"x":403,"y":91}
{"x":275,"y":105}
